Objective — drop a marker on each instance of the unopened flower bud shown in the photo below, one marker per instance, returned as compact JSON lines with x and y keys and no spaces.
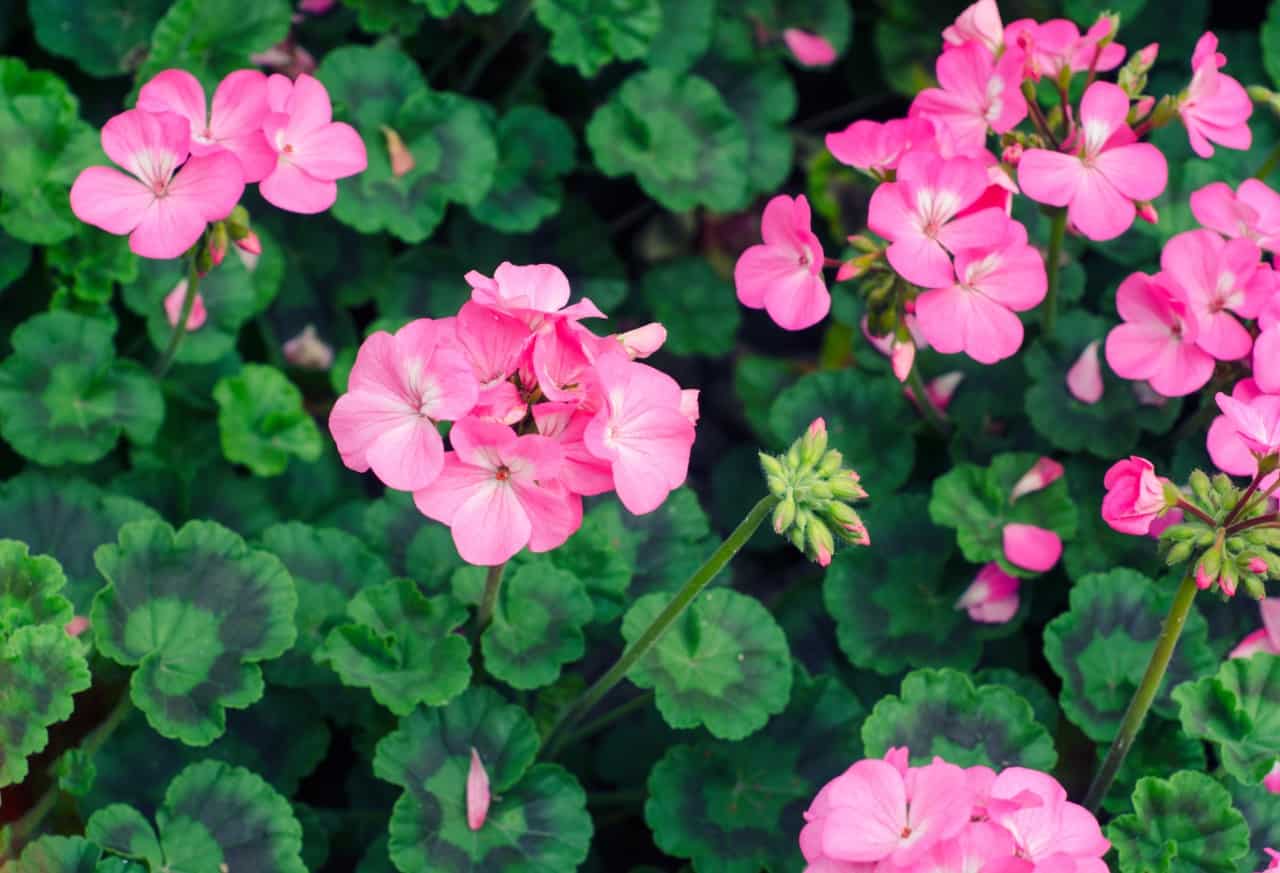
{"x":773,"y":469}
{"x":1147,"y":212}
{"x":842,"y":515}
{"x":1229,"y":579}
{"x":831,"y":463}
{"x":1254,"y":587}
{"x":1257,"y":565}
{"x":238,"y":223}
{"x":864,"y":243}
{"x":218,"y":239}
{"x":814,"y":443}
{"x":1178,"y":553}
{"x":847,"y":487}
{"x":249,"y":244}
{"x":1201,"y":488}
{"x":643,"y":341}
{"x":308,"y":351}
{"x":1147,"y":55}
{"x":1012,"y":154}
{"x":784,"y":515}
{"x":820,"y":541}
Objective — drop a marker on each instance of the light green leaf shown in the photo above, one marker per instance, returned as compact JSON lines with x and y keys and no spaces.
{"x":41,"y":668}
{"x":1183,"y":824}
{"x":381,"y":16}
{"x":57,"y":855}
{"x":537,"y":625}
{"x":588,"y":34}
{"x":764,"y":98}
{"x":535,"y":149}
{"x":30,"y":589}
{"x":698,"y":307}
{"x":92,"y":262}
{"x":210,"y":38}
{"x":1237,"y":711}
{"x":261,"y":420}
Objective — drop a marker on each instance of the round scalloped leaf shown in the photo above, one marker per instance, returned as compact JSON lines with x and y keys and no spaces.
{"x":942,"y":712}
{"x":261,"y":421}
{"x":67,"y":398}
{"x":537,"y":626}
{"x":679,"y":138}
{"x":328,"y":567}
{"x":670,"y":543}
{"x":15,"y":257}
{"x":588,"y":34}
{"x":401,"y":645}
{"x":868,"y":420}
{"x":895,"y":606}
{"x":211,"y":38}
{"x":194,"y":612}
{"x":125,"y":831}
{"x":535,"y":149}
{"x":1261,"y":810}
{"x":30,"y":589}
{"x":975,"y":501}
{"x":1101,"y":645}
{"x":411,"y":544}
{"x":41,"y":668}
{"x":764,"y":98}
{"x":369,"y":84}
{"x":106,"y":38}
{"x":91,"y":263}
{"x":602,"y":554}
{"x":697,"y":306}
{"x":403,"y":17}
{"x":46,"y":147}
{"x":1183,"y":824}
{"x":685,"y":34}
{"x":1238,"y":710}
{"x":719,"y":804}
{"x":724,"y":664}
{"x":56,"y":855}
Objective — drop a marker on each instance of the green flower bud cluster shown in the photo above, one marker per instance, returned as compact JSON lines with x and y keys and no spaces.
{"x":814,"y":490}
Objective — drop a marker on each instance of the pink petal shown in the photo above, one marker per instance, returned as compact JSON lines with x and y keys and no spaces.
{"x":1042,"y":474}
{"x":478,"y":795}
{"x":921,"y":261}
{"x":956,"y":319}
{"x":1266,"y":360}
{"x":871,"y":811}
{"x":809,"y":49}
{"x":494,"y":340}
{"x":409,"y":456}
{"x":1258,"y":641}
{"x":289,"y":188}
{"x":308,"y":107}
{"x":799,"y":303}
{"x":491,"y":525}
{"x":359,"y":417}
{"x":1270,"y":607}
{"x":457,"y":483}
{"x":1030,"y":547}
{"x":1138,"y":171}
{"x":107,"y":198}
{"x":334,"y":151}
{"x":556,"y":513}
{"x":1099,"y":210}
{"x":1084,"y":379}
{"x":940,"y":803}
{"x":148,"y":145}
{"x":1106,"y":105}
{"x":975,"y":230}
{"x":239,"y":109}
{"x":168,"y":228}
{"x":1049,"y":177}
{"x":175,"y":91}
{"x":174,"y":301}
{"x":209,"y":186}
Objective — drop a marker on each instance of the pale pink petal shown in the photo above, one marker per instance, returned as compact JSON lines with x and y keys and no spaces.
{"x":799,"y":303}
{"x":1266,"y":360}
{"x":107,"y":198}
{"x":175,"y":91}
{"x":868,"y":815}
{"x":457,"y":483}
{"x":921,"y":261}
{"x":1106,"y":105}
{"x":974,"y":231}
{"x":1099,"y":210}
{"x":940,"y":803}
{"x":1042,"y":474}
{"x":149,"y":145}
{"x":540,"y":287}
{"x":481,"y":443}
{"x":810,"y":49}
{"x":478,"y":794}
{"x":289,"y":188}
{"x":491,"y":525}
{"x":176,"y":299}
{"x":209,"y":186}
{"x":494,"y":340}
{"x":239,"y":109}
{"x":759,"y":268}
{"x":1223,"y":337}
{"x":168,"y":228}
{"x":555,"y":512}
{"x":1270,"y":608}
{"x":1084,"y":379}
{"x":1030,"y":547}
{"x":334,"y":151}
{"x":408,"y":456}
{"x":359,"y":417}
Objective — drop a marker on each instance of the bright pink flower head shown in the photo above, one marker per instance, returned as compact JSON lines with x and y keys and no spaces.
{"x":918,"y":213}
{"x":1267,"y":638}
{"x":1157,"y":341}
{"x":877,"y":147}
{"x":312,"y":151}
{"x":978,"y":94}
{"x":1227,"y":447}
{"x":1048,"y":829}
{"x":1252,"y":211}
{"x":641,"y":431}
{"x":1043,"y":473}
{"x":809,"y":49}
{"x":1084,"y":378}
{"x":979,"y":23}
{"x":566,"y":423}
{"x":784,"y":275}
{"x":500,"y":492}
{"x":1271,"y":782}
{"x":1105,"y":172}
{"x":1256,"y":420}
{"x":535,"y":293}
{"x":1135,"y":496}
{"x":1266,"y":360}
{"x":478,"y":795}
{"x":1215,"y":107}
{"x":1031,"y":547}
{"x":170,"y":196}
{"x":174,"y":301}
{"x":234,"y":124}
{"x":976,"y":315}
{"x":1053,"y":46}
{"x":1218,"y":277}
{"x":992,"y":596}
{"x":399,"y":387}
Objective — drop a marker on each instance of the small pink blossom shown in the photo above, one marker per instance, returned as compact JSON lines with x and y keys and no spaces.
{"x":1215,"y":107}
{"x":170,"y":195}
{"x":1252,"y":211}
{"x":478,"y":795}
{"x":1048,"y":830}
{"x":1042,"y":474}
{"x":537,"y":294}
{"x":1257,"y":565}
{"x":809,"y":49}
{"x":784,"y":275}
{"x":1105,"y":171}
{"x":1257,"y":421}
{"x":877,"y":147}
{"x":1157,"y":342}
{"x":1227,"y":448}
{"x":1084,"y":379}
{"x":979,"y":23}
{"x":312,"y":151}
{"x":1057,"y":45}
{"x":978,"y":94}
{"x":174,"y":301}
{"x":1031,"y":547}
{"x":1271,"y":782}
{"x":1218,"y":277}
{"x":308,"y":351}
{"x":992,"y":596}
{"x":1135,"y":496}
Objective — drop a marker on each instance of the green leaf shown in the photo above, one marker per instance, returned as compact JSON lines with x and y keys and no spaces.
{"x":15,"y":256}
{"x":723,"y":664}
{"x":764,"y":98}
{"x":679,"y":138}
{"x":697,"y":306}
{"x":537,"y":625}
{"x":125,"y":831}
{"x":369,"y":84}
{"x":93,"y":262}
{"x":57,"y":855}
{"x":717,"y":803}
{"x":1270,"y":34}
{"x":194,"y":612}
{"x":535,"y":149}
{"x":942,"y":712}
{"x":1100,"y":648}
{"x":1236,"y":710}
{"x":210,"y":38}
{"x":401,"y":646}
{"x":104,"y":39}
{"x":685,"y":34}
{"x":670,"y":543}
{"x":1161,"y":747}
{"x":894,"y":606}
{"x":409,"y":542}
{"x":588,"y":34}
{"x":41,"y":668}
{"x":868,"y":420}
{"x":46,"y":147}
{"x":67,"y":397}
{"x":30,"y":589}
{"x":1183,"y":824}
{"x":381,"y":16}
{"x":603,"y":554}
{"x":1261,"y":810}
{"x":757,"y":380}
{"x":261,"y":421}
{"x":975,"y":501}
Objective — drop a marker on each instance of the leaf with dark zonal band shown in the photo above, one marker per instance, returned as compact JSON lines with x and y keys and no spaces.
{"x":1238,"y":710}
{"x":41,"y":668}
{"x":1183,"y":824}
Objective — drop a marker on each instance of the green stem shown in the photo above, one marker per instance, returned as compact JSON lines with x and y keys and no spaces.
{"x":1269,"y":165}
{"x":180,"y":327}
{"x":492,"y":584}
{"x":1146,"y":692}
{"x":931,"y":412}
{"x":493,"y":46}
{"x":1057,"y":233}
{"x":556,"y":738}
{"x":531,"y":68}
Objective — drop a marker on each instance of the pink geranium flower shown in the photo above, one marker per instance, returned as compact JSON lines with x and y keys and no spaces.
{"x":978,"y":94}
{"x":1135,"y":496}
{"x":1256,"y":421}
{"x":1215,"y":107}
{"x":1084,"y":378}
{"x":809,"y":49}
{"x":1045,"y":826}
{"x":918,"y":214}
{"x":992,"y":596}
{"x":534,"y":293}
{"x":1218,"y":277}
{"x":784,"y":275}
{"x":1031,"y":547}
{"x":1053,"y":46}
{"x":1227,"y":449}
{"x":1105,"y":171}
{"x":1252,"y":211}
{"x":499,"y":492}
{"x":174,"y":301}
{"x":1265,"y":639}
{"x":399,"y":387}
{"x":976,"y":315}
{"x":979,"y":23}
{"x":1157,"y":342}
{"x":312,"y":151}
{"x":877,"y":147}
{"x":170,"y":196}
{"x":234,"y":124}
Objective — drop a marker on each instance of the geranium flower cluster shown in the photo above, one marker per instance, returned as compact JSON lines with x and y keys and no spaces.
{"x":883,"y":816}
{"x":543,"y":412}
{"x":187,"y":161}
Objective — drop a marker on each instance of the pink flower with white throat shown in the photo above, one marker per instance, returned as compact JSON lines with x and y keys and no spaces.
{"x":1084,"y":378}
{"x":1215,"y":107}
{"x":1252,"y":211}
{"x":312,"y":151}
{"x":1218,"y":277}
{"x":1227,"y":448}
{"x":1257,"y":421}
{"x":1054,"y":46}
{"x":170,"y":196}
{"x":1157,"y":341}
{"x":978,"y":94}
{"x":1104,"y":173}
{"x":992,"y":596}
{"x":783,"y":276}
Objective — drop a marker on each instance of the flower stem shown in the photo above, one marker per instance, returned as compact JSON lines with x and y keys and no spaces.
{"x":1243,"y":501}
{"x":928,"y":408}
{"x":1190,"y":508}
{"x":492,"y":584}
{"x":556,"y":738}
{"x":1146,"y":692}
{"x":179,"y":332}
{"x":1269,"y":520}
{"x":1057,"y":233}
{"x":494,"y":45}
